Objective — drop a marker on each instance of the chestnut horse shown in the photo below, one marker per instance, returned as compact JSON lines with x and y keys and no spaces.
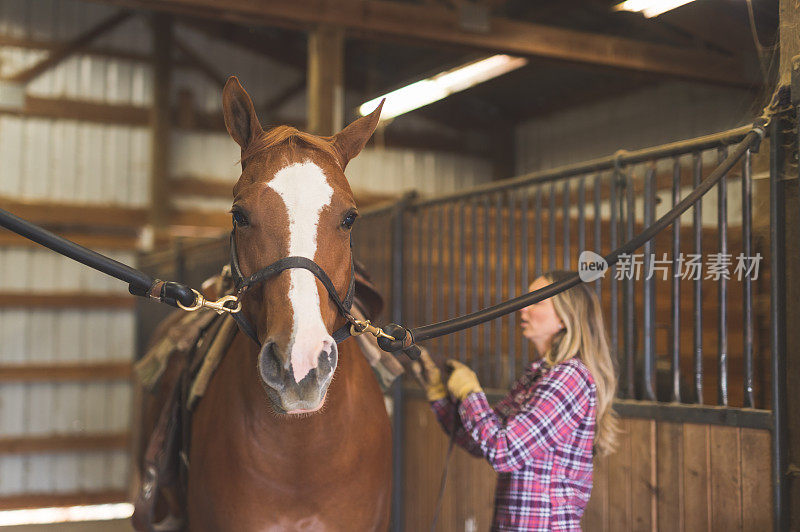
{"x":292,"y":433}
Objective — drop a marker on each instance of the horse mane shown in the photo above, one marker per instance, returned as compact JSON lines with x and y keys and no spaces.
{"x":290,"y":136}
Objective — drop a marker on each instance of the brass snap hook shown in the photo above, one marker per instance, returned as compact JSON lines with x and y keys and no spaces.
{"x":217,"y":306}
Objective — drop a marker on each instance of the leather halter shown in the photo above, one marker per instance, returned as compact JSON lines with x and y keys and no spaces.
{"x":242,"y":283}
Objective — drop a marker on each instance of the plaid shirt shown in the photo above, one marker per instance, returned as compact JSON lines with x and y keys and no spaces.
{"x":539,"y":439}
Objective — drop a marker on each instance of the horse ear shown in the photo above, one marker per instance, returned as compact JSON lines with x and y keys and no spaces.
{"x":352,"y":139}
{"x":240,"y":115}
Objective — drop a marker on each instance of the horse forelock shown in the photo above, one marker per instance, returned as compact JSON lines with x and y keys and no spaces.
{"x":290,"y":137}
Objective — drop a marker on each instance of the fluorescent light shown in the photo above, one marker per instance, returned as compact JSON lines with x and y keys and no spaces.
{"x":650,"y":8}
{"x":40,"y":516}
{"x":435,"y":88}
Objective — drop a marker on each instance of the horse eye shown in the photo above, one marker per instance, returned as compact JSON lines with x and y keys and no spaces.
{"x":239,"y":218}
{"x":350,"y":219}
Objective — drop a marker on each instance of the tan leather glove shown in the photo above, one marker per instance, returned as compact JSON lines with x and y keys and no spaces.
{"x":462,"y":381}
{"x":429,"y":377}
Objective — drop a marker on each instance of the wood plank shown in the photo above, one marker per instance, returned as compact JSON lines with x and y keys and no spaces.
{"x":595,"y":517}
{"x":47,"y":500}
{"x":756,"y":480}
{"x":62,"y":300}
{"x":60,"y":371}
{"x":669,"y":475}
{"x":696,"y":471}
{"x":440,"y":25}
{"x":725,"y":477}
{"x":64,"y":443}
{"x":643,"y":474}
{"x":619,"y":481}
{"x":70,"y":47}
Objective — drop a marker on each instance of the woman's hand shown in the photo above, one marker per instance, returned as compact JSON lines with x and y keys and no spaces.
{"x":429,"y":377}
{"x":462,"y":381}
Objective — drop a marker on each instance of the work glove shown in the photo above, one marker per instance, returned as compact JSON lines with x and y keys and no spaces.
{"x":429,"y":377}
{"x":462,"y":381}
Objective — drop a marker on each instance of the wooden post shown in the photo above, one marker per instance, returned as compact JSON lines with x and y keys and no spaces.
{"x":160,"y":122}
{"x":325,"y":80}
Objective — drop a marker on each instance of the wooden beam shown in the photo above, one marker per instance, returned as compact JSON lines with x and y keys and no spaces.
{"x":74,"y":214}
{"x":66,"y":300}
{"x":70,"y":47}
{"x":69,"y":109}
{"x":64,"y":443}
{"x":207,"y":187}
{"x":439,"y":25}
{"x":116,"y":242}
{"x":65,"y":371}
{"x":325,"y":92}
{"x":48,"y":500}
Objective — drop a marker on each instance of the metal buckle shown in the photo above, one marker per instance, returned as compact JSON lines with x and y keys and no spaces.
{"x":217,"y":306}
{"x":358,"y":327}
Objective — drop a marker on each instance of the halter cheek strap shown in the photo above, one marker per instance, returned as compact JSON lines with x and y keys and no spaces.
{"x":286,"y":263}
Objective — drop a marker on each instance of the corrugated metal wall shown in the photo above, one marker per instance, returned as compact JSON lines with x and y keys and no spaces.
{"x":669,"y":112}
{"x":81,"y":162}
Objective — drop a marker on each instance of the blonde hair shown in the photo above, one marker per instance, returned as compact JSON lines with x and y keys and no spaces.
{"x":584,"y":336}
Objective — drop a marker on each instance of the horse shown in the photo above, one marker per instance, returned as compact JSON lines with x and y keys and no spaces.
{"x":292,"y":432}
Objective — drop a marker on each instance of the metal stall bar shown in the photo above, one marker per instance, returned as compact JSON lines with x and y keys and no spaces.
{"x":777,"y":315}
{"x":476,"y":302}
{"x":454,"y":277}
{"x":629,"y":314}
{"x":440,"y":229}
{"x":582,"y":214}
{"x":675,"y":349}
{"x":511,"y":277}
{"x":598,"y":233}
{"x":613,"y":193}
{"x":398,"y":247}
{"x":649,"y":329}
{"x":538,"y":241}
{"x":747,"y":288}
{"x":722,"y":224}
{"x":524,"y":281}
{"x":462,"y":275}
{"x":565,"y":225}
{"x":551,"y":213}
{"x":498,"y":236}
{"x":487,"y":291}
{"x":697,"y":220}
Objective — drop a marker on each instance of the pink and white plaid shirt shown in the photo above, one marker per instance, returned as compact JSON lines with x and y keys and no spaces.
{"x":539,"y":439}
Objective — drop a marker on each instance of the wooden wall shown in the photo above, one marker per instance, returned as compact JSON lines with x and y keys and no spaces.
{"x":665,"y":476}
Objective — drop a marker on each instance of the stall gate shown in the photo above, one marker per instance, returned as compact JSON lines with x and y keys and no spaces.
{"x":695,"y":350}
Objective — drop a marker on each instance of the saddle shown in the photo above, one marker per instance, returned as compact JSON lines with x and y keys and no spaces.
{"x":174,"y":374}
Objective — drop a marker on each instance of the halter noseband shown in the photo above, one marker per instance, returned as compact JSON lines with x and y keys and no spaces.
{"x":286,"y":263}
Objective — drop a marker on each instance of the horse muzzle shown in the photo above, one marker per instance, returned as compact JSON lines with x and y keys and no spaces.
{"x":286,"y":394}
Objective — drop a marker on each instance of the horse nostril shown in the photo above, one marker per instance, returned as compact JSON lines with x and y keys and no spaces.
{"x":269,"y":364}
{"x":326,"y":362}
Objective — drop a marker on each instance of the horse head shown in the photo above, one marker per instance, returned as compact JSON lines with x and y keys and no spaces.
{"x":293,"y":199}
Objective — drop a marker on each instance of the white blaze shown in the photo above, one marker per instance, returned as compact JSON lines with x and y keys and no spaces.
{"x":305,"y":191}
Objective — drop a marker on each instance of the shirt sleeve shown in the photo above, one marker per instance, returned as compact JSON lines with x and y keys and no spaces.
{"x":559,"y":403}
{"x":447,"y":413}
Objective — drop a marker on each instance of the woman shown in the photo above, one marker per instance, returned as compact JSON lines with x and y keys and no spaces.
{"x":541,"y":437}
